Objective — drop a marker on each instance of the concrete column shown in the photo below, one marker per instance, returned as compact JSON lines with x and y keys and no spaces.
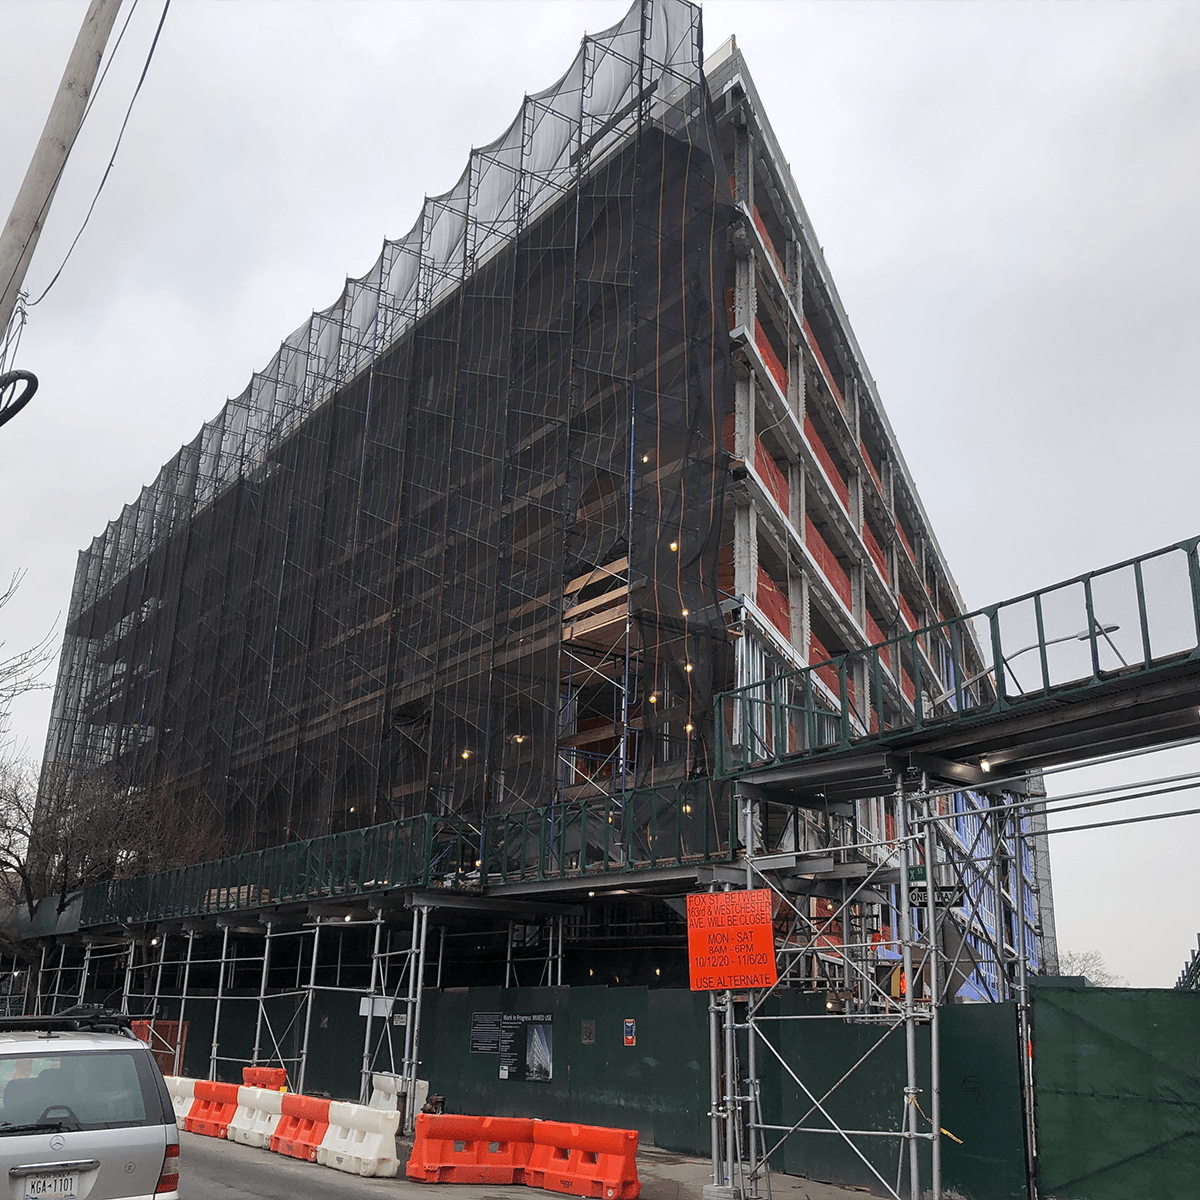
{"x":743,"y":414}
{"x":745,"y":551}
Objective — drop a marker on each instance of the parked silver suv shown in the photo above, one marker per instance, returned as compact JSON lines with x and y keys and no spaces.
{"x":84,"y":1111}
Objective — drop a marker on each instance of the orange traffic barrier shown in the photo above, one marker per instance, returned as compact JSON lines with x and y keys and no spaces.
{"x":212,"y":1109}
{"x":272,"y":1078}
{"x":449,"y":1148}
{"x":303,"y":1123}
{"x":584,"y":1160}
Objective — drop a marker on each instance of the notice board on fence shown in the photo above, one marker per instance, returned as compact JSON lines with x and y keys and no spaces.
{"x":731,"y":941}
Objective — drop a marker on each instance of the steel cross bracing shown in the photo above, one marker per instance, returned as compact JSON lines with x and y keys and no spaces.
{"x":930,"y":945}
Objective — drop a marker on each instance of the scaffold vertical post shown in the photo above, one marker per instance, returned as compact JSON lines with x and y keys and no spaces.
{"x":714,"y":1105}
{"x":62,"y":959}
{"x":560,"y":952}
{"x":442,"y":955}
{"x":1025,"y":1050}
{"x":935,"y":998}
{"x":312,"y":991}
{"x":364,"y":1085}
{"x":37,"y":996}
{"x":410,"y":1001}
{"x":909,"y":1009}
{"x":262,"y":995}
{"x":87,"y":962}
{"x":162,"y":958}
{"x":187,"y":974}
{"x":128,"y":976}
{"x":410,"y":1115}
{"x":212,"y":1058}
{"x":751,"y":1048}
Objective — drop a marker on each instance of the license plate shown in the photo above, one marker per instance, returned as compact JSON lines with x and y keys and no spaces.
{"x":51,"y":1187}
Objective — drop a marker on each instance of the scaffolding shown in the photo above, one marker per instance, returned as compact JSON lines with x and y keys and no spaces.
{"x":454,"y":550}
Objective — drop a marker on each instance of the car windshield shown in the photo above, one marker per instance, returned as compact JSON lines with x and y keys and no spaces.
{"x":83,"y":1089}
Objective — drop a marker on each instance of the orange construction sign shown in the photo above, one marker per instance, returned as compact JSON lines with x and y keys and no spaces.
{"x":731,"y":941}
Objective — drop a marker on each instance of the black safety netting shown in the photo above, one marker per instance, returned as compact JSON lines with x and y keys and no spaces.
{"x":455,"y":550}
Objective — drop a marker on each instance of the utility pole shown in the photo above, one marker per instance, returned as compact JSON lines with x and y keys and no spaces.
{"x":20,"y":235}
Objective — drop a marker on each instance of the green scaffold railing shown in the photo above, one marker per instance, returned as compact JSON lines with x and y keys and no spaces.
{"x":643,"y":830}
{"x":1133,"y":618}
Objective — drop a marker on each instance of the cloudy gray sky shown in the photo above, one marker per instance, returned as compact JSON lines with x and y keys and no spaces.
{"x":1006,"y":194}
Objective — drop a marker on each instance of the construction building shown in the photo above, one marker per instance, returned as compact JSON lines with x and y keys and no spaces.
{"x":435,"y":614}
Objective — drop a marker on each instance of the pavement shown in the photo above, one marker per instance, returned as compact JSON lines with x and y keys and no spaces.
{"x":211,"y":1169}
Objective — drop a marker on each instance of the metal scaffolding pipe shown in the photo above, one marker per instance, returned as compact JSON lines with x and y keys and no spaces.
{"x":262,"y":996}
{"x":1025,"y":1050}
{"x":128,"y":977}
{"x":714,"y":1099}
{"x":910,"y":1015}
{"x":162,"y":958}
{"x":935,"y":1003}
{"x":442,"y":955}
{"x":212,"y":1058}
{"x":312,"y":989}
{"x":561,"y":921}
{"x":364,"y":1084}
{"x":410,"y":1002}
{"x":37,"y":998}
{"x":410,"y":1115}
{"x":751,"y":1049}
{"x":730,"y":1088}
{"x":87,"y":962}
{"x":508,"y":962}
{"x":187,"y":974}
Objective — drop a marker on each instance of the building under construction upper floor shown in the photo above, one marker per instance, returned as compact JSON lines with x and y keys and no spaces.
{"x":591,"y":443}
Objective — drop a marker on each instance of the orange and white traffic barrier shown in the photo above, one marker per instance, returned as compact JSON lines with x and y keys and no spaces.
{"x":259,"y":1111}
{"x":360,"y":1140}
{"x":584,"y":1160}
{"x":183,"y":1096}
{"x":303,"y":1123}
{"x":212,"y":1109}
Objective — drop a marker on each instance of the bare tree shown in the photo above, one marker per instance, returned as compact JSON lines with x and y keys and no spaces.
{"x":1091,"y":964}
{"x":21,"y":672}
{"x":68,"y":830}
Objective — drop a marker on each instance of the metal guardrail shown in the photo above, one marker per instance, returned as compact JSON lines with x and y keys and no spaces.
{"x":640,"y":831}
{"x":1129,"y":619}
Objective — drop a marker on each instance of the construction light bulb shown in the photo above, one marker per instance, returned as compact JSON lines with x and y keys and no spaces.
{"x":984,"y":765}
{"x":688,"y":667}
{"x":829,"y":1005}
{"x":685,"y":612}
{"x":466,"y":754}
{"x":518,"y":738}
{"x":657,"y":971}
{"x":653,"y":698}
{"x":645,"y":458}
{"x":477,"y":862}
{"x":687,"y":808}
{"x":347,"y":916}
{"x":674,"y":545}
{"x":590,"y":971}
{"x":154,"y":941}
{"x":591,"y":893}
{"x":352,"y":808}
{"x":689,"y":727}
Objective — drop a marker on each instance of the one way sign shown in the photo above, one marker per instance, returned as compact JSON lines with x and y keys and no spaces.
{"x":943,"y":897}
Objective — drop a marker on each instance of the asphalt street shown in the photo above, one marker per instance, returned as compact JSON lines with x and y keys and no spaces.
{"x":211,"y":1169}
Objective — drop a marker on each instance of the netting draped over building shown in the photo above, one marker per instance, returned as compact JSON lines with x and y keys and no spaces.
{"x":455,"y":548}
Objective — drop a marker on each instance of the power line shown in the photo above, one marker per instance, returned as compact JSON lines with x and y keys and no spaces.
{"x":113,"y":159}
{"x":66,"y":158}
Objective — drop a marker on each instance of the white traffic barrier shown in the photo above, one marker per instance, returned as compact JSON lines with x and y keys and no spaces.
{"x":183,"y":1094}
{"x":360,"y":1140}
{"x":256,"y":1117}
{"x":383,"y":1092}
